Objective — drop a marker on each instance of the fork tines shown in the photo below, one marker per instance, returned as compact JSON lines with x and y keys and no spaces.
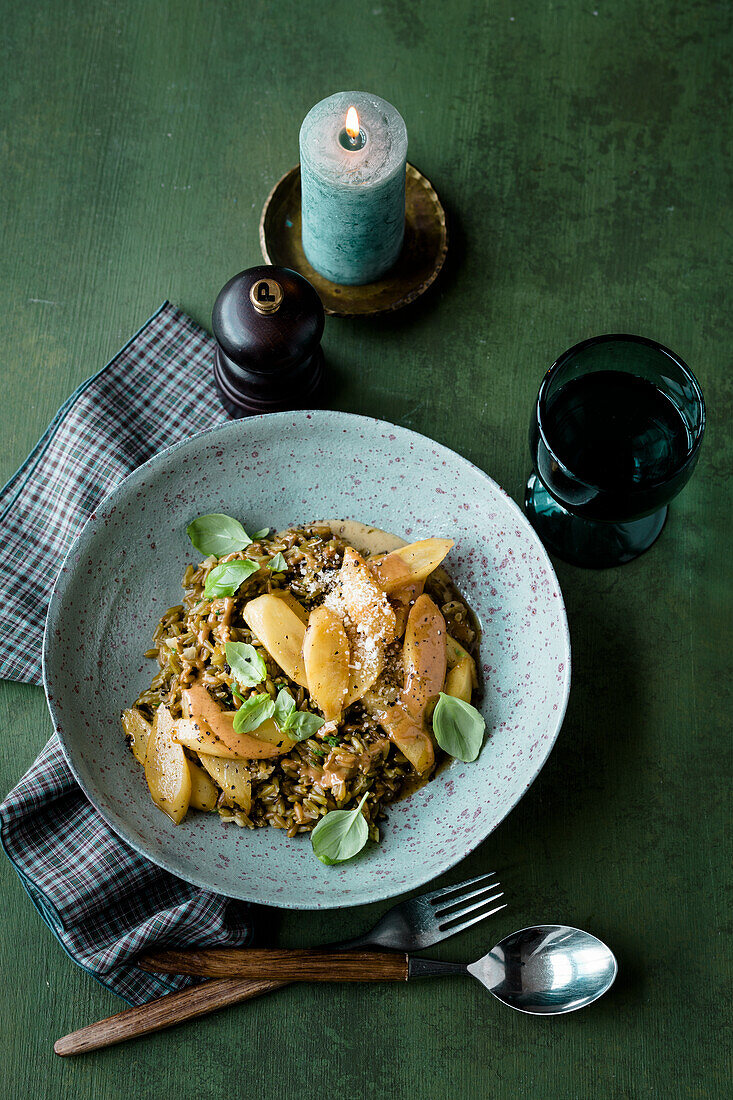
{"x":450,"y":905}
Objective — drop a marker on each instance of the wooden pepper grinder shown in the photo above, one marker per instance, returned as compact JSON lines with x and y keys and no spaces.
{"x":268,"y":323}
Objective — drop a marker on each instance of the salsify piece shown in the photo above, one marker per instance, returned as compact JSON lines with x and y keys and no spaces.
{"x":326,"y":657}
{"x":281,"y":631}
{"x":233,"y":778}
{"x":425,"y":663}
{"x":410,"y":563}
{"x":204,"y":793}
{"x":210,"y":730}
{"x":166,"y":768}
{"x":424,"y":657}
{"x":369,"y":621}
{"x":402,"y":600}
{"x":138,"y":729}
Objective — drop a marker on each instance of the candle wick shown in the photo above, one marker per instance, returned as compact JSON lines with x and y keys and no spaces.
{"x":352,"y":142}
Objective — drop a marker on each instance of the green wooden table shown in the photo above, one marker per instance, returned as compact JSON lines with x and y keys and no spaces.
{"x":578,"y":148}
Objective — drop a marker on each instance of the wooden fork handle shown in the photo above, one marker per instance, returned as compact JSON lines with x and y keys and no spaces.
{"x":174,"y":1008}
{"x":283,"y":965}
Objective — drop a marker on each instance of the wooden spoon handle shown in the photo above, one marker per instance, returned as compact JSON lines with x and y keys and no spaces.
{"x":304,"y":966}
{"x":174,"y":1008}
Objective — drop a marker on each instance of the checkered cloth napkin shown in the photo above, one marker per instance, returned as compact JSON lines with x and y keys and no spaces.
{"x":103,"y":901}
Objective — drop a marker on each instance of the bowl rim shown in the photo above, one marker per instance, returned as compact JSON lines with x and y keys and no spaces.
{"x":64,"y":578}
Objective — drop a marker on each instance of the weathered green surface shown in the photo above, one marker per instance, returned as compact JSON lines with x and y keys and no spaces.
{"x":579,"y":150}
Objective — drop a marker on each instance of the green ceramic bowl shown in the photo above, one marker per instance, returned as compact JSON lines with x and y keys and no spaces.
{"x":124,"y":570}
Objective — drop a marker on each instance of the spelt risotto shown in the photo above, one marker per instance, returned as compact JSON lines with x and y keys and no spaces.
{"x":303,"y":673}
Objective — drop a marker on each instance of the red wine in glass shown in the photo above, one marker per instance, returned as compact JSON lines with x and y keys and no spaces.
{"x":615,"y":436}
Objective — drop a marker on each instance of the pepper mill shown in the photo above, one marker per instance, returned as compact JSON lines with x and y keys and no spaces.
{"x":268,"y":323}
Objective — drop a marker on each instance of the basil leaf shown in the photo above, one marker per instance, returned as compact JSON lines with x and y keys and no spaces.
{"x":277,"y":564}
{"x":284,"y":706}
{"x":261,"y":534}
{"x":300,"y":724}
{"x":340,"y":835}
{"x":253,"y":713}
{"x":248,"y":667}
{"x":458,"y":728}
{"x":217,"y":534}
{"x":225,"y":579}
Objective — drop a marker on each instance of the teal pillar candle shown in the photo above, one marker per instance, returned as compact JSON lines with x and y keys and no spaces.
{"x":353,"y":187}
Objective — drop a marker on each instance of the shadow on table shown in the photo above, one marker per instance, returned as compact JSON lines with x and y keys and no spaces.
{"x":338,"y":387}
{"x":553,"y":852}
{"x":556,"y":850}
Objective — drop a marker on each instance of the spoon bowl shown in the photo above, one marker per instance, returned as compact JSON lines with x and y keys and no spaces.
{"x":547,"y":970}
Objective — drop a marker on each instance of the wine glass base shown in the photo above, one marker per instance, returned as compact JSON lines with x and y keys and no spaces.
{"x":589,"y":543}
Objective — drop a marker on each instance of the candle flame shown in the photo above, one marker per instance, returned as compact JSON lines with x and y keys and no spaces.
{"x":352,"y":123}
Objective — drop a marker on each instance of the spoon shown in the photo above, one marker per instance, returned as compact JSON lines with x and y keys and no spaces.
{"x":545,"y":970}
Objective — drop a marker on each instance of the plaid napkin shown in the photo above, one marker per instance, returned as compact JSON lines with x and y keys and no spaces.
{"x":103,"y":901}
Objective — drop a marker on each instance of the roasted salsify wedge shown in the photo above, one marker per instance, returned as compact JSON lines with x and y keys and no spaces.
{"x":233,"y":778}
{"x":166,"y":768}
{"x":425,"y":665}
{"x":425,"y":657}
{"x":262,"y":744}
{"x":326,"y":657}
{"x":204,"y":794}
{"x":462,"y":678}
{"x":402,"y":600}
{"x":196,"y":735}
{"x":410,"y":563}
{"x":281,"y":631}
{"x":459,"y":681}
{"x":138,"y":730}
{"x":295,"y":605}
{"x":368,"y":619}
{"x":210,"y":730}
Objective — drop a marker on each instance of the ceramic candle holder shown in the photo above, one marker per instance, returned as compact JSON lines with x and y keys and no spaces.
{"x":353,"y":188}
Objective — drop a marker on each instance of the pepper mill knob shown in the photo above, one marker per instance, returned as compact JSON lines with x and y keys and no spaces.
{"x":268,"y":323}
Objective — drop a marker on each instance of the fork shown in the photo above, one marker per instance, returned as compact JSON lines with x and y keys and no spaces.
{"x":409,"y":926}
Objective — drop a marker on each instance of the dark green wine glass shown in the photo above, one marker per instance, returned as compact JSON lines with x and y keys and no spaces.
{"x":615,"y":435}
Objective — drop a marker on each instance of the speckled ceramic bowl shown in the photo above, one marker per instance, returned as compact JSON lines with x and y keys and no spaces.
{"x":124,"y":570}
